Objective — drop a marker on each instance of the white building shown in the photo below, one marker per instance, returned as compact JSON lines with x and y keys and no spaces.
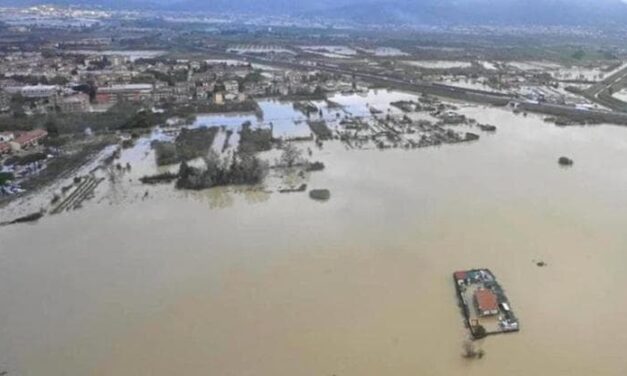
{"x":39,"y":91}
{"x":6,"y":136}
{"x":231,"y":86}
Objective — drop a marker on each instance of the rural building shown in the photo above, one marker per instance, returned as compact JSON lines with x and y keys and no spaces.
{"x":486,"y":302}
{"x":28,"y":139}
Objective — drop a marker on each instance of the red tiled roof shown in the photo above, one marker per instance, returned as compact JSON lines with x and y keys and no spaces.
{"x":486,"y":300}
{"x":31,"y":136}
{"x":460,"y":275}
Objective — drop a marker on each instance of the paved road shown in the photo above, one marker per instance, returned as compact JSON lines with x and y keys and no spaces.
{"x":600,"y":92}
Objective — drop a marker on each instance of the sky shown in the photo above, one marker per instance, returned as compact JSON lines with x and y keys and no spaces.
{"x":606,"y":13}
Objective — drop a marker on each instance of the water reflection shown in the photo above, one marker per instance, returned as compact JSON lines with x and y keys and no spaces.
{"x":215,"y":198}
{"x":288,"y":122}
{"x":254,"y":195}
{"x":281,"y":116}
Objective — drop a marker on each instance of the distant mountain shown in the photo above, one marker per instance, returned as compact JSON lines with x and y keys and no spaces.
{"x":427,"y":12}
{"x":498,"y":12}
{"x":267,"y":7}
{"x":110,"y":4}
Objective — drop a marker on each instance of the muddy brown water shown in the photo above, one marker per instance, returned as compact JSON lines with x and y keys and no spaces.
{"x":249,"y":283}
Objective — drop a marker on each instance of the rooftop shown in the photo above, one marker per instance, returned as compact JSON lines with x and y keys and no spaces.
{"x":486,"y":300}
{"x":126,"y":87}
{"x":30,"y":136}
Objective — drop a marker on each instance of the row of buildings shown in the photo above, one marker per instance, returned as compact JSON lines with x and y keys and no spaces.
{"x":45,"y":97}
{"x":111,"y":78}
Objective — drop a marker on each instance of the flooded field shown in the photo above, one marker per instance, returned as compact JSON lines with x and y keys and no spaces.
{"x":235,"y":281}
{"x":439,"y":64}
{"x":289,"y":122}
{"x":281,"y":116}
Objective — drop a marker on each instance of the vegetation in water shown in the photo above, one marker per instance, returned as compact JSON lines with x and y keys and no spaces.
{"x":238,"y":169}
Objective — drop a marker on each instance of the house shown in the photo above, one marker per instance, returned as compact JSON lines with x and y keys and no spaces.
{"x":28,"y":139}
{"x":486,"y":302}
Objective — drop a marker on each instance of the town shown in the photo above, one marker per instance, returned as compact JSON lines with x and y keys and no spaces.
{"x":68,"y":98}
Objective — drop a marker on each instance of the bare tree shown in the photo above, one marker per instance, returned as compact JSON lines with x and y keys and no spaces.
{"x":291,"y":155}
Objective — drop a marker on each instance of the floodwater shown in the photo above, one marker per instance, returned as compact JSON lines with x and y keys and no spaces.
{"x":230,"y":282}
{"x":284,"y":119}
{"x":360,"y":104}
{"x":288,"y":122}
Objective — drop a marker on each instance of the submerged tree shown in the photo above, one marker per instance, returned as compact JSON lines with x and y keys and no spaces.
{"x":291,"y":155}
{"x":479,"y":331}
{"x":471,"y":351}
{"x":240,"y":168}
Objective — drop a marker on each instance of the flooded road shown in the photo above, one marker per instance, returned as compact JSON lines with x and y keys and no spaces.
{"x":249,"y":283}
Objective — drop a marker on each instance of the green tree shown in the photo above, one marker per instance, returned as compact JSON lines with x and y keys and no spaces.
{"x":52,"y":127}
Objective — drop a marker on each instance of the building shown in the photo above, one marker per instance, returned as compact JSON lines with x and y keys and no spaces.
{"x":131,"y":93}
{"x":231,"y":86}
{"x":39,"y":91}
{"x":218,"y":98}
{"x":5,"y":148}
{"x":118,"y":59}
{"x":28,"y":139}
{"x":6,"y":136}
{"x":74,"y":103}
{"x":486,"y":302}
{"x":5,"y":101}
{"x":460,"y":276}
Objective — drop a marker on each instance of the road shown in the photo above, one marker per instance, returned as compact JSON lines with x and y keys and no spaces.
{"x":453,"y":92}
{"x":600,"y":92}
